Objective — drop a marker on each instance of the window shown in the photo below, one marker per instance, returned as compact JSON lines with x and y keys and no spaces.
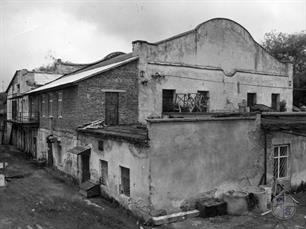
{"x":275,"y":102}
{"x":101,"y":145}
{"x":43,"y":105}
{"x":14,"y":109}
{"x":125,"y":181}
{"x":203,"y":101}
{"x":112,"y":108}
{"x":18,"y":88}
{"x":59,"y":153}
{"x":280,"y":161}
{"x":104,"y":172}
{"x":50,"y":105}
{"x":168,"y":100}
{"x":60,"y":105}
{"x":251,"y":99}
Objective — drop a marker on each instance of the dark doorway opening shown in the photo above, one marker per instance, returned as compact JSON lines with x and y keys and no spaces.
{"x":50,"y":154}
{"x":85,"y":167}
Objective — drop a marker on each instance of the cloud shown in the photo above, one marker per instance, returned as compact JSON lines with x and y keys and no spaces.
{"x":85,"y":31}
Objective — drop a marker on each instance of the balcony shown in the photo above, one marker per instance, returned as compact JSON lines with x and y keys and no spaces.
{"x":25,"y":118}
{"x":185,"y":102}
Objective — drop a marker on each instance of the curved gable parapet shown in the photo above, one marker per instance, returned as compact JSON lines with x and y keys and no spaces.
{"x":218,"y":43}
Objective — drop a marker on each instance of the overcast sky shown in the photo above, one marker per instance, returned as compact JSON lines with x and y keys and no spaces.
{"x":85,"y":31}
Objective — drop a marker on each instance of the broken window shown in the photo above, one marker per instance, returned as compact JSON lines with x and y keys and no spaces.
{"x":251,"y":99}
{"x":275,"y":102}
{"x":125,"y":181}
{"x":60,"y":105}
{"x":168,"y":100}
{"x":280,"y":161}
{"x":104,"y":172}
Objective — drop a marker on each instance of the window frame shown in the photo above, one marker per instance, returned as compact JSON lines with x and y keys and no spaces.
{"x":60,"y":104}
{"x":101,"y":145}
{"x":278,"y":157}
{"x":123,"y":189}
{"x":50,"y":105}
{"x":277,"y":103}
{"x":43,"y":105}
{"x":254,"y":99}
{"x":103,"y":172}
{"x":165,"y":108}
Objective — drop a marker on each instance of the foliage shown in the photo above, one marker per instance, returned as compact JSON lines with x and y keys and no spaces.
{"x":290,"y":47}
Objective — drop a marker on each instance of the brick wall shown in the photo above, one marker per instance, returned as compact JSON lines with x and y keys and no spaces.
{"x":85,"y":103}
{"x":70,"y":116}
{"x":92,"y":97}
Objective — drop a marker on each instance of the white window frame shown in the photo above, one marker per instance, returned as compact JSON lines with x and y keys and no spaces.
{"x":278,"y":157}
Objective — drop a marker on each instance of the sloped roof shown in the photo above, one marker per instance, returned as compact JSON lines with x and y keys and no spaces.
{"x":41,"y":78}
{"x":83,"y":74}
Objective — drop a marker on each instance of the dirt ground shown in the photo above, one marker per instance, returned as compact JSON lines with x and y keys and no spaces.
{"x":41,"y":200}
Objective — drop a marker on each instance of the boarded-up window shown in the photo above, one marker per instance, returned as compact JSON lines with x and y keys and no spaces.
{"x":275,"y":102}
{"x":111,"y":108}
{"x":60,"y":105}
{"x":125,"y":181}
{"x":104,"y":172}
{"x":281,"y":153}
{"x":168,"y":100}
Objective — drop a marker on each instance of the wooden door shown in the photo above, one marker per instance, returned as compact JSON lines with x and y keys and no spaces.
{"x":85,"y":167}
{"x":111,"y":108}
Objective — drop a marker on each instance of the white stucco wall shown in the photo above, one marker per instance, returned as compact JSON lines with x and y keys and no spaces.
{"x":216,"y":56}
{"x":121,"y":153}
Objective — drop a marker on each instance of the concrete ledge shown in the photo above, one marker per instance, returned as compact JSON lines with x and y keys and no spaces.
{"x":174,"y":217}
{"x":198,"y":119}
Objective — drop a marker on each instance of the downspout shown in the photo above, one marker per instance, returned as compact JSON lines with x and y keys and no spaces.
{"x":265,"y":159}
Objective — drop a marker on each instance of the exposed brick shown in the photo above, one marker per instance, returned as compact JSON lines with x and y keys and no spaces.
{"x":84,"y":102}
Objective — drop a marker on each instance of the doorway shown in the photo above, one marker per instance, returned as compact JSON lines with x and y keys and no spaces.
{"x":50,"y":154}
{"x":111,"y":108}
{"x":85,"y":167}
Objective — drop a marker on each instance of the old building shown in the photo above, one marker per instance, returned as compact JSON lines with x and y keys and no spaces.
{"x":2,"y":116}
{"x":172,"y":119}
{"x":22,"y":113}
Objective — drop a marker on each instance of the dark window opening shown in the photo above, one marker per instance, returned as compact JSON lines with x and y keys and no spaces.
{"x":14,"y":109}
{"x":101,"y":145}
{"x":125,"y":181}
{"x":168,"y":100}
{"x":251,"y":99}
{"x":275,"y":102}
{"x":104,"y":172}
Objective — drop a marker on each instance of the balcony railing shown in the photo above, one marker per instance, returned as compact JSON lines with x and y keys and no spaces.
{"x":188,"y":103}
{"x":25,"y":117}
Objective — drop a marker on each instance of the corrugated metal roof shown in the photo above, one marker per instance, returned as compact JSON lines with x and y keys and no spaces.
{"x":80,"y":75}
